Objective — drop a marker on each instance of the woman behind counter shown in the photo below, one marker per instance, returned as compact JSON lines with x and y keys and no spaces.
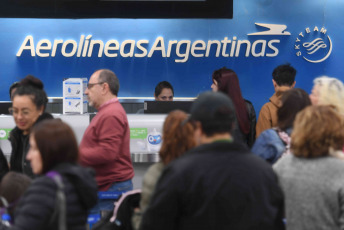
{"x":29,"y":102}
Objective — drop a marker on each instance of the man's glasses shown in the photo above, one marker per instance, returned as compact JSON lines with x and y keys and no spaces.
{"x":90,"y":85}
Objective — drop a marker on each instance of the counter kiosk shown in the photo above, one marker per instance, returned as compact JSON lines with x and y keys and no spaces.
{"x":143,"y":151}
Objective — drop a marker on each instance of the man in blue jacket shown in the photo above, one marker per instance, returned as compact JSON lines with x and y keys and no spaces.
{"x":217,"y":185}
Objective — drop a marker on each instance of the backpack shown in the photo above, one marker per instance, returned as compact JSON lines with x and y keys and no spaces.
{"x":120,"y":219}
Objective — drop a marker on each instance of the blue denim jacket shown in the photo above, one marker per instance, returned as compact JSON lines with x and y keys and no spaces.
{"x":269,"y":145}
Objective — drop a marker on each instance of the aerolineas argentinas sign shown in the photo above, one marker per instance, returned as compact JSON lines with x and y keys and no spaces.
{"x":181,"y":50}
{"x":138,"y":49}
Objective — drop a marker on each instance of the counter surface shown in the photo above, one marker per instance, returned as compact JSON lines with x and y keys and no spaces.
{"x":141,"y":126}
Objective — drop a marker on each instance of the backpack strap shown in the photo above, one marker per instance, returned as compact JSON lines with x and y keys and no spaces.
{"x":120,"y":201}
{"x":60,"y":210}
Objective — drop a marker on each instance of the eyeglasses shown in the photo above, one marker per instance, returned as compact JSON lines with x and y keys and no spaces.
{"x":15,"y":112}
{"x":90,"y":85}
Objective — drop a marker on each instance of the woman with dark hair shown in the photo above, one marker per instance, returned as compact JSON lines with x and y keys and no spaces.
{"x":226,"y":81}
{"x":54,"y":153}
{"x":178,"y":137}
{"x":29,"y":102}
{"x":312,"y":176}
{"x":272,"y":143}
{"x":13,"y":88}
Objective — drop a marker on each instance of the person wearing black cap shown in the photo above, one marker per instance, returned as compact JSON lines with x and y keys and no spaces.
{"x":217,"y":185}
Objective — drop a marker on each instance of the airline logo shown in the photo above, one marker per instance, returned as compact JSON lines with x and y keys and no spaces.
{"x":274,"y":29}
{"x":265,"y":44}
{"x":180,"y":50}
{"x":313,"y":45}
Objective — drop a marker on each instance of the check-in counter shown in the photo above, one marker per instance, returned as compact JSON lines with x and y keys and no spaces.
{"x":141,"y":126}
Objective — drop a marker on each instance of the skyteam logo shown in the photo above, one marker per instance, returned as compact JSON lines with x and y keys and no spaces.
{"x":313,"y":45}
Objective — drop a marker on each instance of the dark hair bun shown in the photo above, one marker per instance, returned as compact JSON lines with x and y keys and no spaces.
{"x":30,"y":80}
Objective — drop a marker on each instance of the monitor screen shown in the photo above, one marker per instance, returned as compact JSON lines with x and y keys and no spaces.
{"x":164,"y":107}
{"x":4,"y":106}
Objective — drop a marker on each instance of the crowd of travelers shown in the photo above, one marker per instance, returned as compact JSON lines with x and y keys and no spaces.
{"x":220,"y":167}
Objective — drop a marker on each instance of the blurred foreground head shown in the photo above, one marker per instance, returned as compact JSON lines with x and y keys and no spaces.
{"x":52,"y":142}
{"x":318,"y":131}
{"x":178,"y":136}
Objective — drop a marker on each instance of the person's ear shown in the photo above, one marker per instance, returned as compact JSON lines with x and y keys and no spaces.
{"x":106,"y":86}
{"x":274,"y":83}
{"x":41,"y":110}
{"x":198,"y":133}
{"x":293,"y":85}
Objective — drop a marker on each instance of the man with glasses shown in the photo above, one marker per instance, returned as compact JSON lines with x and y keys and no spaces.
{"x":105,"y":144}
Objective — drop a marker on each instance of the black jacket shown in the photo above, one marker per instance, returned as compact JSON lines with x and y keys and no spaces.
{"x":20,"y":145}
{"x":249,"y":138}
{"x":36,"y":207}
{"x":216,"y":186}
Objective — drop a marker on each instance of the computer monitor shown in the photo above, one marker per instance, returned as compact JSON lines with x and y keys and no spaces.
{"x":164,"y":107}
{"x":4,"y":106}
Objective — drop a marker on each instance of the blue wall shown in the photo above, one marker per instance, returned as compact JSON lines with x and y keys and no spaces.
{"x":139,"y":75}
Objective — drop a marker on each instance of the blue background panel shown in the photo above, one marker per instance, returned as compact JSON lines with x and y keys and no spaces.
{"x":138,"y":76}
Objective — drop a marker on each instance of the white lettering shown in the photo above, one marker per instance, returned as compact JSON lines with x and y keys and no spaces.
{"x":308,"y":30}
{"x":56,"y":42}
{"x":131,"y":44}
{"x":140,"y":49}
{"x":316,"y":29}
{"x":109,"y":47}
{"x":64,"y":46}
{"x":84,"y":52}
{"x":218,"y":48}
{"x":101,"y":47}
{"x":273,"y":48}
{"x":233,"y":47}
{"x":323,"y":30}
{"x":30,"y":47}
{"x":158,"y":48}
{"x":195,"y":47}
{"x":262,"y":50}
{"x":40,"y":47}
{"x":143,"y":49}
{"x":81,"y":42}
{"x":225,"y":41}
{"x":248,"y":46}
{"x":169,"y":48}
{"x":187,"y":50}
